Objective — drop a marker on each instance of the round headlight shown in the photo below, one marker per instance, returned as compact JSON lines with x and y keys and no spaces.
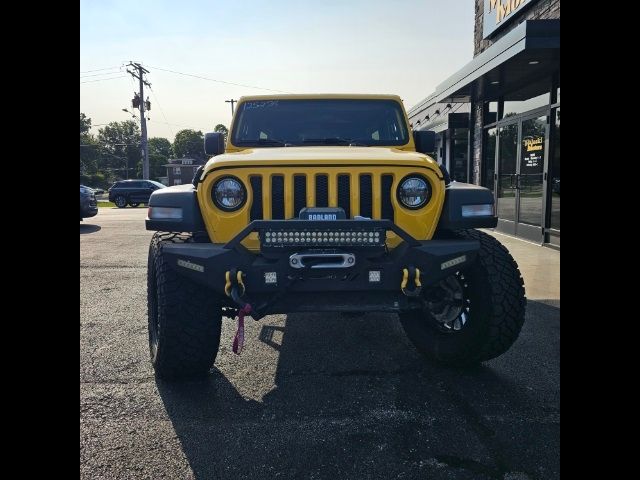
{"x":229,"y":194}
{"x":414,"y":192}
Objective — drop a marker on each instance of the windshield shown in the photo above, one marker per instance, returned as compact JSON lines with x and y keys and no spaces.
{"x":157,"y":184}
{"x":277,"y":123}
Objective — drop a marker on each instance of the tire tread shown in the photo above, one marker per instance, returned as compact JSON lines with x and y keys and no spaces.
{"x":190,"y":316}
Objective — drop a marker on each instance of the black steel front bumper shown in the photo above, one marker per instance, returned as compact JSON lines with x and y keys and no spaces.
{"x":322,"y":289}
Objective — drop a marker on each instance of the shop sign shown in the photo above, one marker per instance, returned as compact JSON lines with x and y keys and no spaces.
{"x":498,"y":13}
{"x":533,"y":151}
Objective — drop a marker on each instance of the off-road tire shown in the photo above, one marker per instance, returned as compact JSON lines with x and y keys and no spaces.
{"x":120,"y":201}
{"x":496,"y":310}
{"x":186,"y":314}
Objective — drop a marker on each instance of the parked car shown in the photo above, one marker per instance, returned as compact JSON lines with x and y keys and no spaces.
{"x":132,"y":192}
{"x":88,"y":203}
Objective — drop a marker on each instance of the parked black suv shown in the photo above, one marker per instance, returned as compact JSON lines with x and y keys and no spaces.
{"x":132,"y":192}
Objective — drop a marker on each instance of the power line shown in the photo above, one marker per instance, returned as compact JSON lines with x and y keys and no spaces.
{"x":99,"y":69}
{"x":103,"y":79}
{"x":178,"y":125}
{"x":99,"y":74}
{"x":218,"y":81}
{"x":155,"y":97}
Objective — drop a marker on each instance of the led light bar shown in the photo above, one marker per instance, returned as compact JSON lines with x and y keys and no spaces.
{"x":315,"y":237}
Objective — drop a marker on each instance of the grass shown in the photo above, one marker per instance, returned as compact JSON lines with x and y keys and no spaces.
{"x":105,"y":204}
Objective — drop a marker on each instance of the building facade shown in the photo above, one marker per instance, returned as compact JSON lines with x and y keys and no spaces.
{"x":181,"y":170}
{"x":497,"y":119}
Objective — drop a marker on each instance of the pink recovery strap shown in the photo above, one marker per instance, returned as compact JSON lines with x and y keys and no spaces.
{"x":238,"y":340}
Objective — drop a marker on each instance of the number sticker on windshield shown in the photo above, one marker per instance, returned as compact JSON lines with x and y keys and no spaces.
{"x":261,"y":104}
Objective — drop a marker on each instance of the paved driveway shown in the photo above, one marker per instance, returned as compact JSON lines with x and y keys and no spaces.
{"x":312,"y":395}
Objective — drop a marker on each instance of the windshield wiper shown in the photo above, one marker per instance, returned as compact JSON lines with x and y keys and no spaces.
{"x":336,"y":141}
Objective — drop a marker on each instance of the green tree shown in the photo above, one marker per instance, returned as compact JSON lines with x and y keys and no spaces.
{"x":85,"y":123}
{"x":159,"y":154}
{"x":189,"y":144}
{"x":222,"y":129}
{"x":89,"y":151}
{"x":120,"y":148}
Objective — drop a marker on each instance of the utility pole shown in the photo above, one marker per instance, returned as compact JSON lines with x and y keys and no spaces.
{"x":232,"y":101}
{"x":143,"y":121}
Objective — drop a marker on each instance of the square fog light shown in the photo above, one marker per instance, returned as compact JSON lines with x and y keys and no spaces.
{"x":374,"y":276}
{"x":270,"y":278}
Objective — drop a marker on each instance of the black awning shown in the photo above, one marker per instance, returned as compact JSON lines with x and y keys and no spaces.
{"x":530,"y":49}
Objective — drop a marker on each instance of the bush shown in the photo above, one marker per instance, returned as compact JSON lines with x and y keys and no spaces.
{"x":97,"y":180}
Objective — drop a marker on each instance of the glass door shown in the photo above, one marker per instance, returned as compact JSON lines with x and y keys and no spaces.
{"x":520,"y":176}
{"x":554,"y":179}
{"x":460,"y":155}
{"x":507,"y":177}
{"x":529,"y":186}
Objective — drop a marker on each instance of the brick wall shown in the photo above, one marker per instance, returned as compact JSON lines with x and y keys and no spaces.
{"x":537,"y":10}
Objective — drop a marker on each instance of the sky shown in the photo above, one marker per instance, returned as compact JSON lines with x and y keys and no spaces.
{"x":403,"y":47}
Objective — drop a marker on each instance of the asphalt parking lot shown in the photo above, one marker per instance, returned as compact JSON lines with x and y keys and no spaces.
{"x":312,"y":395}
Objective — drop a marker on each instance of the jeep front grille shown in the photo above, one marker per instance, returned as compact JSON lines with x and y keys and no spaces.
{"x":328,"y":191}
{"x":256,"y":206}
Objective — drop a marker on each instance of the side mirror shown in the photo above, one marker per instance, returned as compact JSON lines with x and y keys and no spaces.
{"x":213,"y":143}
{"x":425,"y":141}
{"x":196,"y":176}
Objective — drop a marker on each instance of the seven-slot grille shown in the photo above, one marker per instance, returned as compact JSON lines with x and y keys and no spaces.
{"x":320,"y":185}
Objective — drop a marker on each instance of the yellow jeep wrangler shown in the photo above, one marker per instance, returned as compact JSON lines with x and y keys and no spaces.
{"x":327,"y":203}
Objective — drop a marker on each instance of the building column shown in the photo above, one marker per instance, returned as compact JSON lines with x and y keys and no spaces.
{"x":476,"y":139}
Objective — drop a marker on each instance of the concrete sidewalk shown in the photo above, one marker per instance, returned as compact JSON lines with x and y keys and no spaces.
{"x":540,"y":266}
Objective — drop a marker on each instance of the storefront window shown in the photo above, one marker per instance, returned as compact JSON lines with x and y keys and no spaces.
{"x":507,"y":172}
{"x":439,"y":148}
{"x":555,"y":173}
{"x":460,"y":154}
{"x":514,"y":107}
{"x":490,"y":112}
{"x":532,"y":96}
{"x":489,"y":158}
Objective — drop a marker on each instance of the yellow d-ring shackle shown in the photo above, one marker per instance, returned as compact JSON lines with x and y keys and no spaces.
{"x":405,"y":278}
{"x":227,"y":285}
